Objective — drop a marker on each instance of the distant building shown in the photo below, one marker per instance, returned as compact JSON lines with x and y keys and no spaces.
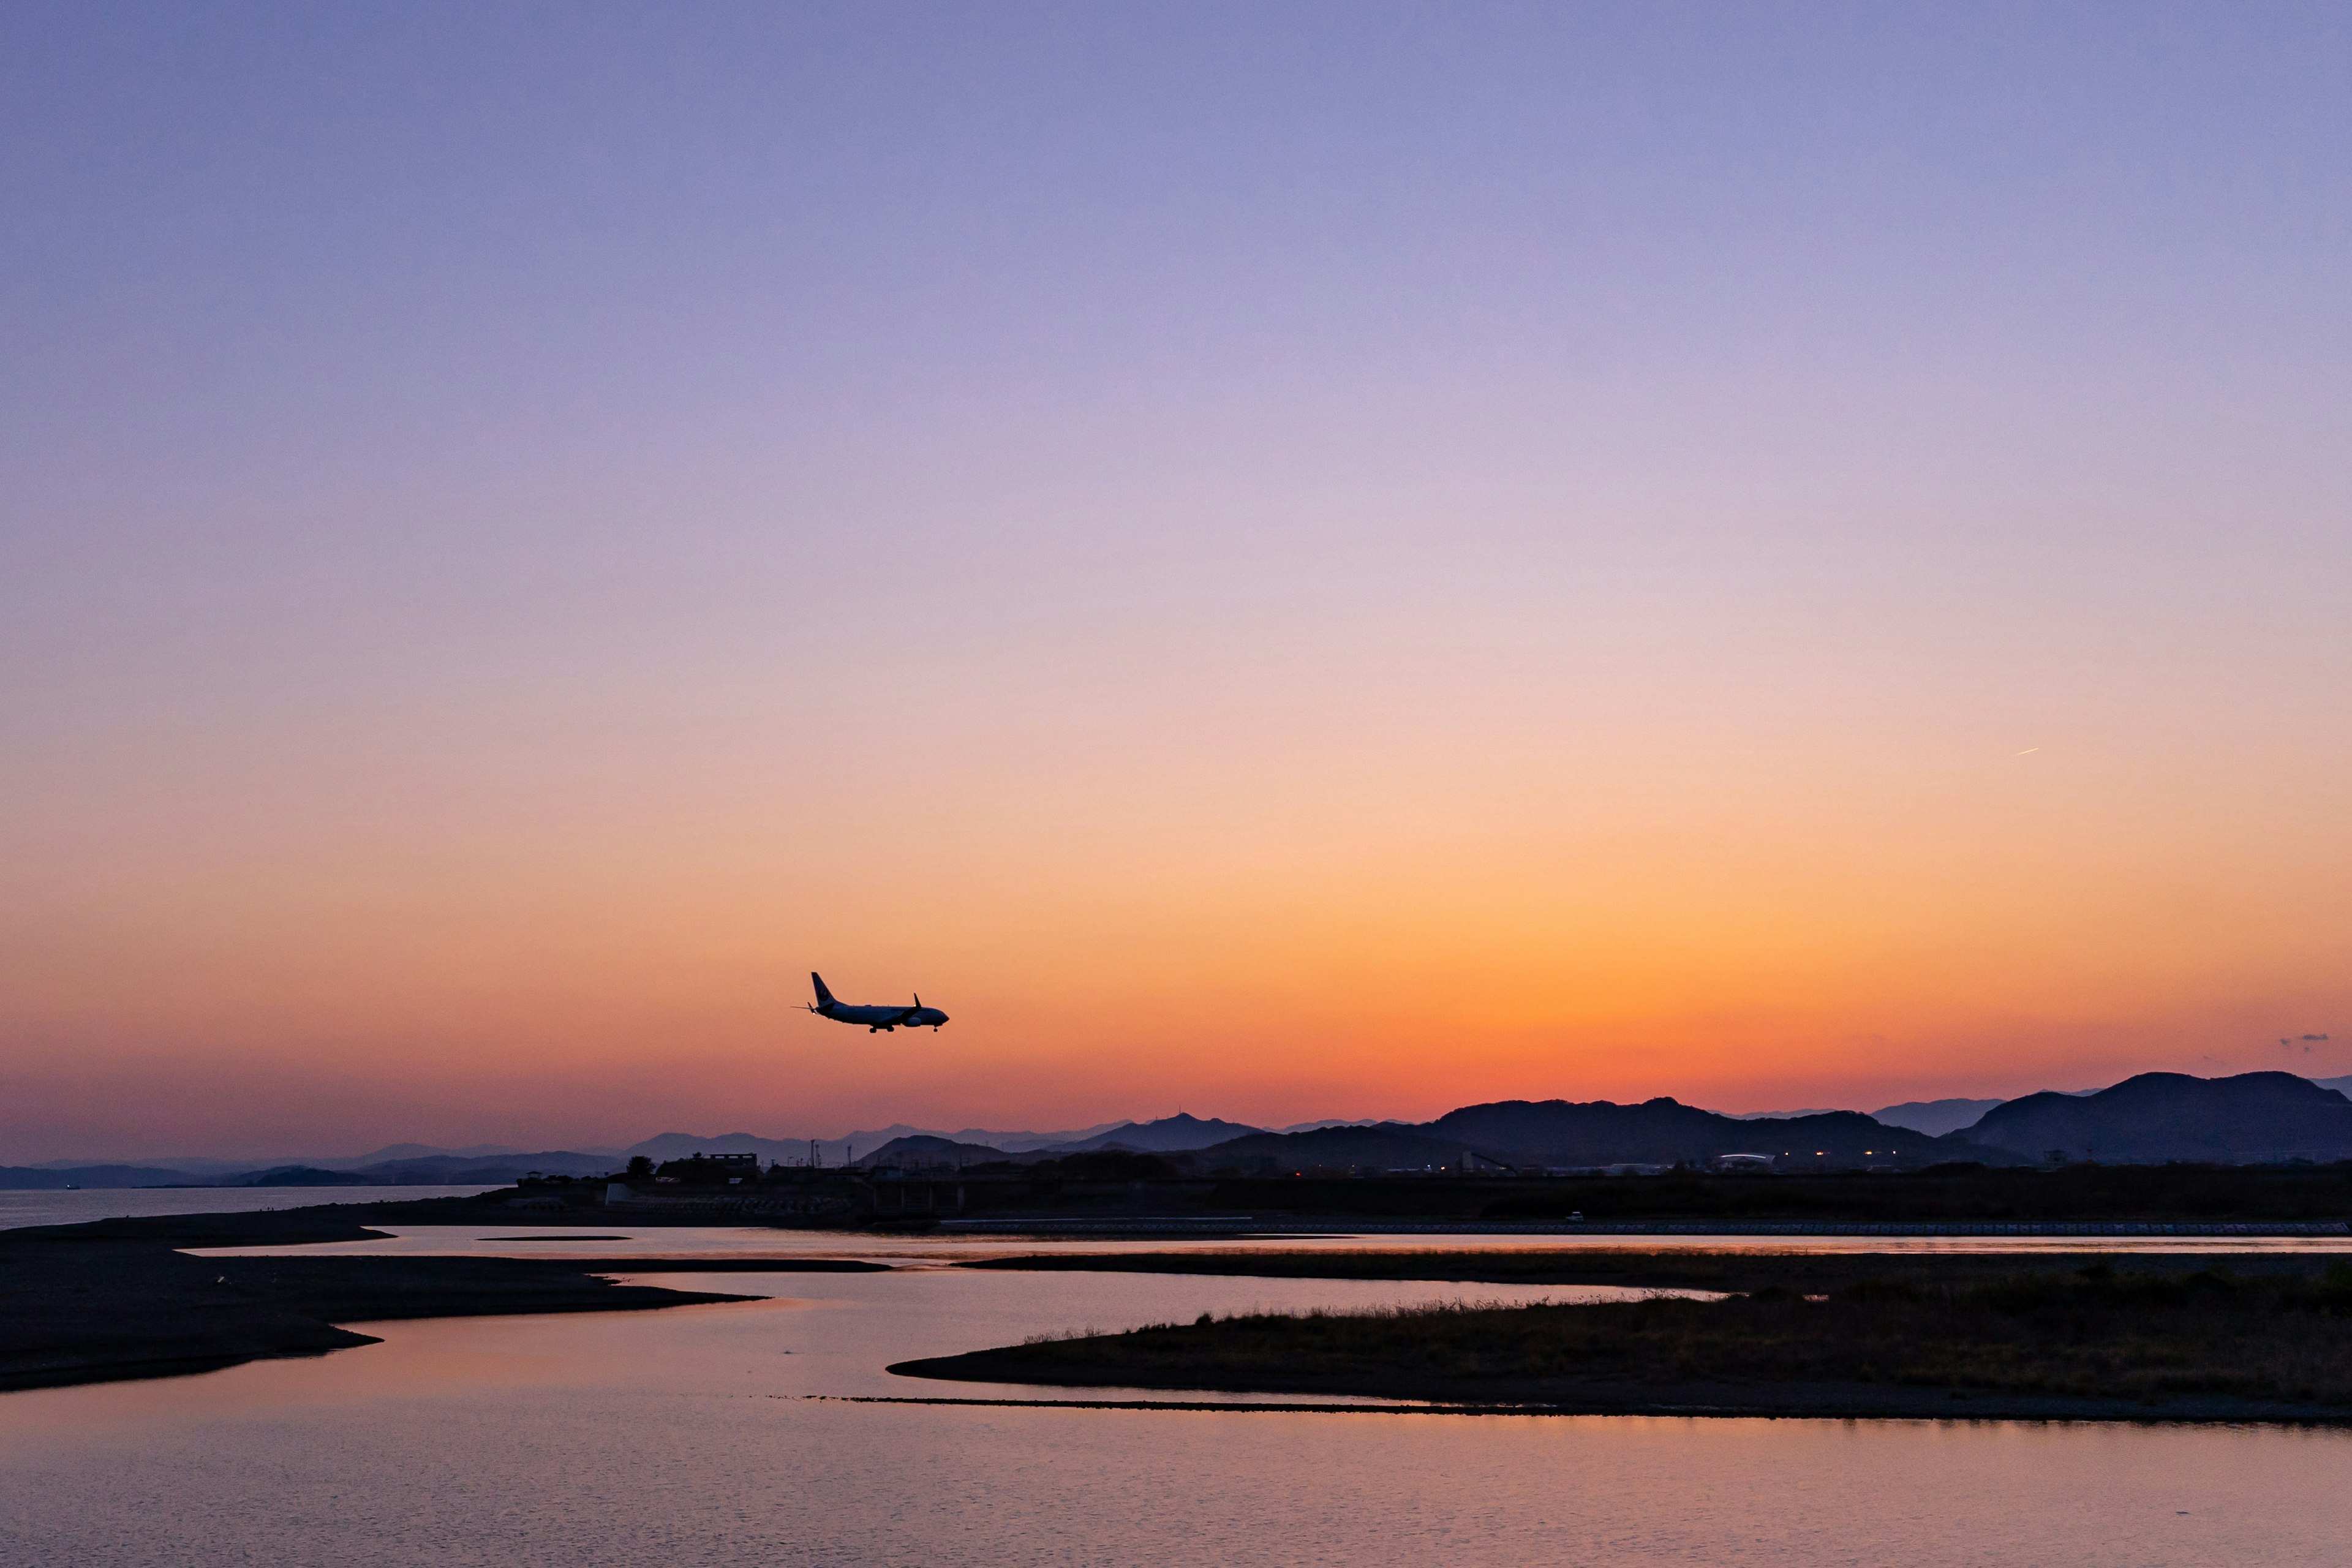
{"x":711,"y":1170}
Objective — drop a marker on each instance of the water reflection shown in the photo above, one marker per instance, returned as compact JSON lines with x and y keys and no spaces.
{"x":685,"y":1437}
{"x":77,"y":1205}
{"x":751,"y":1241}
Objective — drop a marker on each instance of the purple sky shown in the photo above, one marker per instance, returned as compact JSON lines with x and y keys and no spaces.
{"x":1315,"y":559}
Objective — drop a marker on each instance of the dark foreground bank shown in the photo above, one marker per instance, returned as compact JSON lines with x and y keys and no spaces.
{"x":2195,"y":1343}
{"x":1731,"y":1271}
{"x":117,"y":1299}
{"x":1632,"y":1265}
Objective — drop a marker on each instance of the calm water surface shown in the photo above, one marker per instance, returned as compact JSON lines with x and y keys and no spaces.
{"x":623,"y":1241}
{"x":690,"y":1436}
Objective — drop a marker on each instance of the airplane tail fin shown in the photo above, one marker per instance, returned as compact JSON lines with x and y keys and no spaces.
{"x":824,"y":997}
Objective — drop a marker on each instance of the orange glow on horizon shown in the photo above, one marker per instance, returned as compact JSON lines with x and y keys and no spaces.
{"x":1746,"y":556}
{"x":1744,"y":951}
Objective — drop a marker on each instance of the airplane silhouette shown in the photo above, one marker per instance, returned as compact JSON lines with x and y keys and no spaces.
{"x":873,"y":1019}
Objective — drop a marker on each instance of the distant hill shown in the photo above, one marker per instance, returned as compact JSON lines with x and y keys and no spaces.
{"x":2158,"y":1116}
{"x":298,"y":1176}
{"x":1389,"y":1146}
{"x":455,"y":1170}
{"x":923,"y":1149}
{"x":441,"y":1170}
{"x":392,"y":1153}
{"x":176,"y":1165}
{"x":1935,"y":1117}
{"x":51,"y":1179}
{"x":1021,"y":1143}
{"x":2250,"y":1118}
{"x":1662,"y":1131}
{"x":1169,"y":1135}
{"x":837,"y":1151}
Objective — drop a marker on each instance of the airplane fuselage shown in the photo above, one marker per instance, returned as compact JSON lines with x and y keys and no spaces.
{"x":916,"y":1017}
{"x":881,"y":1017}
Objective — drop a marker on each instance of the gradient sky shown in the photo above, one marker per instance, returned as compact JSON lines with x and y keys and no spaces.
{"x":1290,"y":561}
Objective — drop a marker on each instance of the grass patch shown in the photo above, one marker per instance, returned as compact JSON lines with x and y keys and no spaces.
{"x":2092,"y":1333}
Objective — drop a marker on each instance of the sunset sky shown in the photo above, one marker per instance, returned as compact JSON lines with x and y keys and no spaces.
{"x":1290,"y":561}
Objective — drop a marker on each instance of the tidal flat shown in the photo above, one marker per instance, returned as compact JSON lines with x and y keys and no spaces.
{"x":119,"y":1299}
{"x":769,"y":1430}
{"x":2176,"y":1340}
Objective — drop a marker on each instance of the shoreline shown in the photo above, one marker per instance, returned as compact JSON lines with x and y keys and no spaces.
{"x":1728,"y":1271}
{"x":119,"y":1300}
{"x":123,"y":1299}
{"x":1809,"y":1402}
{"x":1836,"y":1336}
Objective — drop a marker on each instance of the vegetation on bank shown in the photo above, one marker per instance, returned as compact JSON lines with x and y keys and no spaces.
{"x":2090,"y":1334}
{"x":1108,"y":1183}
{"x":1729,"y":1270}
{"x":1962,"y":1191}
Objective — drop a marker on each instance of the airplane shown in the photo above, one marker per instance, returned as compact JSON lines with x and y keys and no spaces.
{"x":875,"y":1018}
